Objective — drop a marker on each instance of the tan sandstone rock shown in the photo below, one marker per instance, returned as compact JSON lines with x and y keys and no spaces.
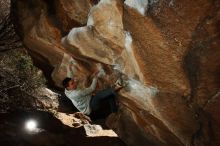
{"x":167,"y":53}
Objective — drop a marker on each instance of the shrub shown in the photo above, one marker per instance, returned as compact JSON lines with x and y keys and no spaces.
{"x":19,"y":80}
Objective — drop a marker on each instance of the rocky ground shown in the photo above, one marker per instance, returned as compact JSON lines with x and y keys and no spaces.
{"x":50,"y":132}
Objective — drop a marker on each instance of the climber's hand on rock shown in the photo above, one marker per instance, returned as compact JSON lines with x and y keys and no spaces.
{"x":101,"y":73}
{"x":95,"y":74}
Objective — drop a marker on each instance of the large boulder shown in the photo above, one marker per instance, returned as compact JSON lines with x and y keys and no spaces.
{"x":166,"y":52}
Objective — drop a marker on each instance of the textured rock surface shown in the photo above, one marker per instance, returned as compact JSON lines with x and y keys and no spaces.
{"x":168,"y":57}
{"x":50,"y":131}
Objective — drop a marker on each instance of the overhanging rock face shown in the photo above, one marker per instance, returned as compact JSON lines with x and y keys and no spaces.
{"x":167,"y":53}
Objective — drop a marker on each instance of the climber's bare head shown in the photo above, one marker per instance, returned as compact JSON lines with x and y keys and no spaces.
{"x":69,"y":83}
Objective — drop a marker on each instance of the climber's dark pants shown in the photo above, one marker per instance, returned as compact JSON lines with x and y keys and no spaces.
{"x":105,"y":96}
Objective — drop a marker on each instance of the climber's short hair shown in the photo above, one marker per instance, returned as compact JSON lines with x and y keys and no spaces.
{"x":66,"y":82}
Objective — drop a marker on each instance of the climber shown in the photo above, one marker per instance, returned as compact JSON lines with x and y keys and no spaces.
{"x":84,"y":99}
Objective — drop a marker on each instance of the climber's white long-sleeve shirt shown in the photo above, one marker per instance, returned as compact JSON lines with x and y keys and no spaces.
{"x":81,"y":98}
